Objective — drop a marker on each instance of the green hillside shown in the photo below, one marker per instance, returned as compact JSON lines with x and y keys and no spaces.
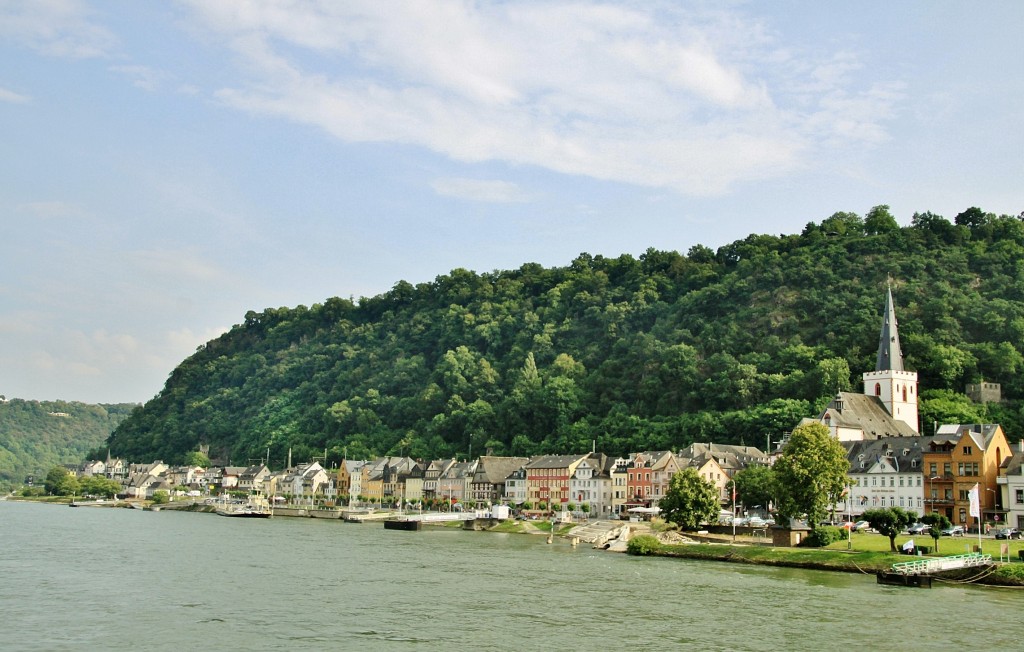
{"x":35,"y":436}
{"x":627,"y":353}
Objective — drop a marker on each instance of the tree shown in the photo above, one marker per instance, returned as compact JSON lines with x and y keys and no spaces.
{"x":60,"y":482}
{"x":811,"y":473}
{"x":938,"y":523}
{"x":197,"y":458}
{"x":690,"y":500}
{"x":972,"y":218}
{"x":880,"y":220}
{"x":755,"y":485}
{"x":160,"y":497}
{"x":890,"y":521}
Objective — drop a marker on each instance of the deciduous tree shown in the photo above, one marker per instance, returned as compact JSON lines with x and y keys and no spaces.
{"x":690,"y":500}
{"x":890,"y":521}
{"x":811,"y":473}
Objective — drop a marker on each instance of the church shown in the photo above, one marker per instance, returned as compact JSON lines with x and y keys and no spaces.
{"x":888,"y":405}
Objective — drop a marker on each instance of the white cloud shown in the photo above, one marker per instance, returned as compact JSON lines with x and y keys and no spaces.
{"x":483,"y":190}
{"x":646,"y":94}
{"x":61,"y":28}
{"x":11,"y":97}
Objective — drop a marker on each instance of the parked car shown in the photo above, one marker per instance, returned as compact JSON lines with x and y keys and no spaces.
{"x":1007,"y":533}
{"x":756,"y":521}
{"x":953,"y":531}
{"x":921,"y":528}
{"x":860,"y":526}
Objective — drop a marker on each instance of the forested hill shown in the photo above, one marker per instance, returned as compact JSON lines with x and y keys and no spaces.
{"x":35,"y":436}
{"x":626,"y":353}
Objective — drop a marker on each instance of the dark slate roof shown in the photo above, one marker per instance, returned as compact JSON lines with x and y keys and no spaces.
{"x":494,"y":470}
{"x":981,"y":433}
{"x":554,"y":461}
{"x":904,"y":453}
{"x":1013,"y":463}
{"x":889,"y":354}
{"x":867,"y":413}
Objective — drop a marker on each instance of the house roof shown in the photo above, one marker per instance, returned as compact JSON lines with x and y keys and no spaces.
{"x":554,"y":461}
{"x":728,"y":456}
{"x":981,"y":433}
{"x":901,"y":453}
{"x":866,"y":413}
{"x":494,"y":470}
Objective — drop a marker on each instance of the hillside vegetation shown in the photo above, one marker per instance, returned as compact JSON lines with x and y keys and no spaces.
{"x":734,"y":345}
{"x":35,"y":436}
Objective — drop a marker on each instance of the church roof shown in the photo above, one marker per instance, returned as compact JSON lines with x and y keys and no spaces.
{"x":867,"y":413}
{"x":890,"y":357}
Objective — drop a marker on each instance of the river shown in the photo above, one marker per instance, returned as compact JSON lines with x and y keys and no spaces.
{"x":116,"y":579}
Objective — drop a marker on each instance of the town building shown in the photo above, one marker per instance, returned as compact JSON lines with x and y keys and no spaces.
{"x":959,"y":458}
{"x":547,"y":479}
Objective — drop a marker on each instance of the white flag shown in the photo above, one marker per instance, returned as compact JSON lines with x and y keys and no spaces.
{"x":973,"y":496}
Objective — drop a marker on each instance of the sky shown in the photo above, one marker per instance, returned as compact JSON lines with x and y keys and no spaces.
{"x":168,"y":166}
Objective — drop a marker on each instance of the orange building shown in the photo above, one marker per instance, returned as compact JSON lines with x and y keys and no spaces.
{"x":959,"y":457}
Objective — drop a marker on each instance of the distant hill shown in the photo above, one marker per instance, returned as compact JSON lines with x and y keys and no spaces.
{"x":734,"y":345}
{"x":35,"y":436}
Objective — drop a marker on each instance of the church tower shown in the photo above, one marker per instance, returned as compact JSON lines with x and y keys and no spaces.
{"x":895,"y":387}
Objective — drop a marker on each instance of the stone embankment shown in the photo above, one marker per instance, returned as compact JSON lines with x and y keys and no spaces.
{"x":615,"y":535}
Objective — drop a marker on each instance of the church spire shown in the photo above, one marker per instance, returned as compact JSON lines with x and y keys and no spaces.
{"x":889,"y":355}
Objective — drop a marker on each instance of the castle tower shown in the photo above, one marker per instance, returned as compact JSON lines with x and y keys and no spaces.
{"x":896,"y":388}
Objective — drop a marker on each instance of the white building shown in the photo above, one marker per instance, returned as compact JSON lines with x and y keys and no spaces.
{"x":885,"y":473}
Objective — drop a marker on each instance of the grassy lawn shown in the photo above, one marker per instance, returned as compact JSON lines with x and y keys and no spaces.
{"x":869,"y":542}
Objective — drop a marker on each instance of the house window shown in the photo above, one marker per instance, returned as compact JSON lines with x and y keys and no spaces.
{"x":933,"y":468}
{"x":901,"y":483}
{"x":947,"y":468}
{"x":1020,"y":496}
{"x":892,"y":482}
{"x":965,"y":494}
{"x":878,"y":389}
{"x":967,"y":450}
{"x":874,"y":482}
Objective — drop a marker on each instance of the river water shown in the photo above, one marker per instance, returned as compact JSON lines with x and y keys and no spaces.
{"x":114,"y":579}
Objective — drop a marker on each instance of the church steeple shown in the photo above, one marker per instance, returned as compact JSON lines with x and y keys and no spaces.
{"x":890,"y":357}
{"x":890,"y":383}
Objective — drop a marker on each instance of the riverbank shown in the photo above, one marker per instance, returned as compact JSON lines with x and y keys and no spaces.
{"x":845,"y":561}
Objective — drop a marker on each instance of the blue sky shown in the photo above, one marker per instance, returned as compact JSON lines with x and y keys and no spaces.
{"x":168,"y":166}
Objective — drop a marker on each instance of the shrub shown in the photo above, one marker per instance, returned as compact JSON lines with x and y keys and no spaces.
{"x":643,"y":544}
{"x":823,"y":536}
{"x":1011,"y":571}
